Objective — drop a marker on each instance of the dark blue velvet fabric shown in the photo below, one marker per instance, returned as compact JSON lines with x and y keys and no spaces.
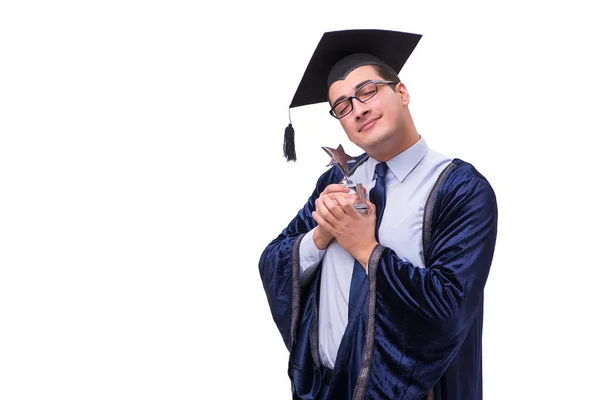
{"x":428,"y":322}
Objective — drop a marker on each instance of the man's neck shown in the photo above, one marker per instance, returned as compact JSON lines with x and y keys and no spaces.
{"x":401,"y":144}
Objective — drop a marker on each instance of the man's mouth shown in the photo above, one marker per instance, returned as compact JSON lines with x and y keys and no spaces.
{"x":367,"y":125}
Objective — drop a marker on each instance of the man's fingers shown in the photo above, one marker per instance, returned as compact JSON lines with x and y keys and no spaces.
{"x":349,"y":198}
{"x":336,"y":196}
{"x":324,"y":211}
{"x":336,"y":187}
{"x":372,"y":207}
{"x":335,"y":207}
{"x":323,"y":223}
{"x":348,"y":208}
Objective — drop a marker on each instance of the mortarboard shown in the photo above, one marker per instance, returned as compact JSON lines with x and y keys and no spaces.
{"x":339,"y":53}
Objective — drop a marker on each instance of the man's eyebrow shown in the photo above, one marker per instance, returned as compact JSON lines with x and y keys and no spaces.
{"x":355,"y":87}
{"x":362,"y":83}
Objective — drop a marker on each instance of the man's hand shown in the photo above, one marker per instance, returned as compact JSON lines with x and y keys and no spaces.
{"x":321,"y":236}
{"x":336,"y":215}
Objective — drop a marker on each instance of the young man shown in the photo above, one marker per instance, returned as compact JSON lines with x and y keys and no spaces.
{"x":386,"y":305}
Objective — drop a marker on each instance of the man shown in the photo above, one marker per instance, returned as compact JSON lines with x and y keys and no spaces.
{"x":387,"y":305}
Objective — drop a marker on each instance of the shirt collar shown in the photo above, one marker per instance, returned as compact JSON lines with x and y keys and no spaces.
{"x":403,"y":164}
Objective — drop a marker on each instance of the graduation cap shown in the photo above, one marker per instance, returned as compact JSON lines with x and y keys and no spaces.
{"x":339,"y":53}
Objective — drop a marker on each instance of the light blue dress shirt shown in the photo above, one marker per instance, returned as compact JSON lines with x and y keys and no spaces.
{"x":410,"y":178}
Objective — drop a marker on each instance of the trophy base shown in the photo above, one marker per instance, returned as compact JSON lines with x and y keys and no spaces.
{"x":362,"y":208}
{"x":357,"y":189}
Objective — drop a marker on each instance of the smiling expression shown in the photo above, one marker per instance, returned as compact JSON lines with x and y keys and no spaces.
{"x":377,"y":125}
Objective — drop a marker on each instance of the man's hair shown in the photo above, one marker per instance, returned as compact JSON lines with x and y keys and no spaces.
{"x":386,"y":73}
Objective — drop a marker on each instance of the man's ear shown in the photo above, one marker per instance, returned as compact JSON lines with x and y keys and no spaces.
{"x":403,"y":92}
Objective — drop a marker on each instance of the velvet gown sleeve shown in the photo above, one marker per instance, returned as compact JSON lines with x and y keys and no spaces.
{"x":279,"y":264}
{"x":424,"y":314}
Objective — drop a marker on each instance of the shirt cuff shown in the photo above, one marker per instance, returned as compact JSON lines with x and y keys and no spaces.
{"x":310,"y":257}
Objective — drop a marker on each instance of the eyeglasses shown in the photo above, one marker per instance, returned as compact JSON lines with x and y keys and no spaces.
{"x":363,"y":94}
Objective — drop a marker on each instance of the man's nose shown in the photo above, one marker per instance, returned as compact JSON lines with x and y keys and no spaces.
{"x":360,"y":109}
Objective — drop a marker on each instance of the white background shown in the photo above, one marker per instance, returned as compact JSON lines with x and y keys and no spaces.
{"x":141,"y":176}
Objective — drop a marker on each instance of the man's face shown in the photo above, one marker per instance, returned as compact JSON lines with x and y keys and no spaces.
{"x":377,"y":124}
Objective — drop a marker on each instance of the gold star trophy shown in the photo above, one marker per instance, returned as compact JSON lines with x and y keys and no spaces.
{"x":340,"y":159}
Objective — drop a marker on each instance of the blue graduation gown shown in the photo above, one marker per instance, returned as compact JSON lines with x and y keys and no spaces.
{"x":410,"y":330}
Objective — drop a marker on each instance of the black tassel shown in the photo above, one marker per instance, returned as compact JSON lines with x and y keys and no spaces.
{"x":289,"y":148}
